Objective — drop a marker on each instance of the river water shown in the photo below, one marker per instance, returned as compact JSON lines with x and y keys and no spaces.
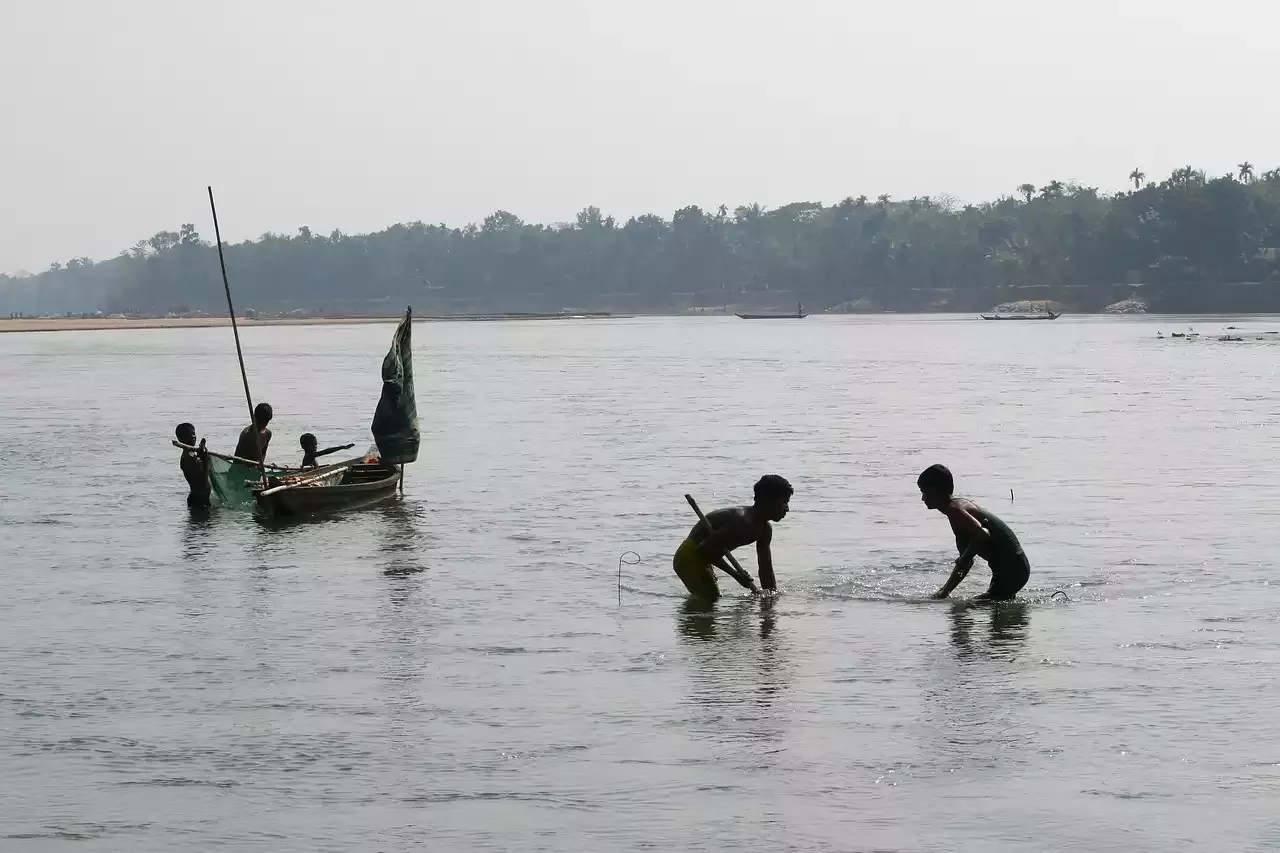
{"x":454,"y":670}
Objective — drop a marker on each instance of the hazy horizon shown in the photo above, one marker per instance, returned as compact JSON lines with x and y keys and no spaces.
{"x":335,"y":116}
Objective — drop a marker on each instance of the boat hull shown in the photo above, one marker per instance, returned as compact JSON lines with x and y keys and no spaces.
{"x":356,"y":487}
{"x":1048,"y":316}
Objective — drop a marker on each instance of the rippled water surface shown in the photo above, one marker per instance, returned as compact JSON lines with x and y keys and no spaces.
{"x":454,"y":670}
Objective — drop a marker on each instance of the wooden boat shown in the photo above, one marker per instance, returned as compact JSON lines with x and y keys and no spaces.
{"x":235,"y":480}
{"x":336,"y":487}
{"x":357,"y":483}
{"x":799,"y":315}
{"x":373,"y":478}
{"x":1044,"y":315}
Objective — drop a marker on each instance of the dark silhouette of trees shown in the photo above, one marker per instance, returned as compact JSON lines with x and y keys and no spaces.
{"x":1188,"y":235}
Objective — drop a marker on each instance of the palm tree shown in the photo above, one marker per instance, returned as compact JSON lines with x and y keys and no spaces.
{"x":1188,"y":174}
{"x":860,"y":202}
{"x":882,"y":200}
{"x":1027,"y":190}
{"x":1246,"y":172}
{"x":1137,"y":176}
{"x":1052,"y":190}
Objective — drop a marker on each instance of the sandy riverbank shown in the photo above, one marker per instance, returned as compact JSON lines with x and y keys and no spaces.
{"x":77,"y":324}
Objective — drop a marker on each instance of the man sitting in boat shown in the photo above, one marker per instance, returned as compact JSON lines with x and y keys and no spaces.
{"x":249,"y":447}
{"x":310,"y":454}
{"x":195,"y":467}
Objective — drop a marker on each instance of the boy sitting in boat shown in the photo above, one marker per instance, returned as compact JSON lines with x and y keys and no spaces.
{"x":732,"y":528}
{"x":310,"y":454}
{"x":249,"y":447}
{"x":195,"y":467}
{"x":978,"y":533}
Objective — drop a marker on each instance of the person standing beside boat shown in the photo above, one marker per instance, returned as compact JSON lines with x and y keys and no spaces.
{"x":195,"y":467}
{"x":255,"y":447}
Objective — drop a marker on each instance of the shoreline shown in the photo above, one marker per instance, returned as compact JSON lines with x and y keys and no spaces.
{"x":100,"y":324}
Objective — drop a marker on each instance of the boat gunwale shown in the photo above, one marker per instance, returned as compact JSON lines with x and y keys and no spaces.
{"x":318,"y":495}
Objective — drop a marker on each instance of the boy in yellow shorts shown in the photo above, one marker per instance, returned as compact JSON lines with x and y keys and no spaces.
{"x":705,"y":550}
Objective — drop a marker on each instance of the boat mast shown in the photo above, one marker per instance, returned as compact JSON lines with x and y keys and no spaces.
{"x":235,"y":330}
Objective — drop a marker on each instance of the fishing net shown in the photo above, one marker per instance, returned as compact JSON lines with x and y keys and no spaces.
{"x":230,"y":480}
{"x":395,"y":421}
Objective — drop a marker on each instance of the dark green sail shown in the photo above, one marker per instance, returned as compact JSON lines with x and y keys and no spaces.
{"x":395,"y":421}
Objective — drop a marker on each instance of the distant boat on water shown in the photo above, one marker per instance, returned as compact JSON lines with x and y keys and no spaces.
{"x":1043,"y":314}
{"x":799,"y":315}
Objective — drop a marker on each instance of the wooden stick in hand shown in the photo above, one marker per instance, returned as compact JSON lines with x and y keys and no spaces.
{"x":222,"y":456}
{"x":728,"y":556}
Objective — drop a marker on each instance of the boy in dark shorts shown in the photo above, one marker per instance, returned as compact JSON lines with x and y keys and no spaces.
{"x":978,"y":533}
{"x":732,"y":527}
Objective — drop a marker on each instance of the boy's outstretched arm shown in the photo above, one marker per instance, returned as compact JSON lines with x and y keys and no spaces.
{"x":764,"y":555}
{"x":329,"y":450}
{"x":963,"y":564}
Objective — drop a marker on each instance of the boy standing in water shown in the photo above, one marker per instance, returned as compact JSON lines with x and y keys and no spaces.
{"x":733,"y":527}
{"x":255,"y":447}
{"x":978,"y":533}
{"x":195,"y":467}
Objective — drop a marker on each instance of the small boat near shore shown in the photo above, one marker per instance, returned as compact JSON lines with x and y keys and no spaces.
{"x":1023,"y":315}
{"x":799,"y":315}
{"x":1044,"y":313}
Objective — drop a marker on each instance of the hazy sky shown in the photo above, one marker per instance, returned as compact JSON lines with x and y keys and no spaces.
{"x":114,"y":116}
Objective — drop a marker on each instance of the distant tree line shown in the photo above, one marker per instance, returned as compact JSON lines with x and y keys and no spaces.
{"x":1188,"y":231}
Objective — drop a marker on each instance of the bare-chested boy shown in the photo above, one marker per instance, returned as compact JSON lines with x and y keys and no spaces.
{"x":311,"y":451}
{"x":979,"y":533}
{"x":255,"y":447}
{"x":195,"y":467}
{"x":733,"y":527}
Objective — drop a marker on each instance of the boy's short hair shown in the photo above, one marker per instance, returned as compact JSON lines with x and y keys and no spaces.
{"x":262,"y":414}
{"x":184,"y":428}
{"x":307,"y":438}
{"x":937,"y":478}
{"x":771,"y":486}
